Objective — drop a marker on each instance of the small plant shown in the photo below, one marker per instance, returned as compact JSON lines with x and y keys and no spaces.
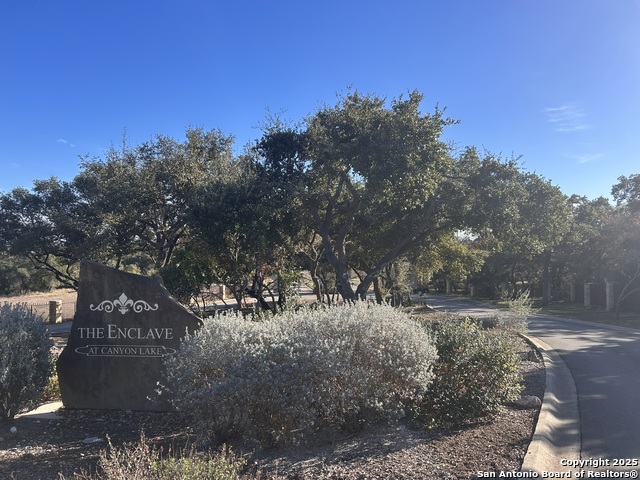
{"x":25,"y":359}
{"x":222,"y":465}
{"x":521,"y":305}
{"x":138,"y":461}
{"x":277,"y":379}
{"x":476,"y":372}
{"x":520,"y":308}
{"x":51,"y":392}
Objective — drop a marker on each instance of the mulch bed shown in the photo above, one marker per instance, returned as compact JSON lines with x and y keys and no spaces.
{"x":43,"y":449}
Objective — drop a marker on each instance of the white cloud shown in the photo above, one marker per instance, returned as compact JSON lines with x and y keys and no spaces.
{"x":65,"y":142}
{"x":589,"y":158}
{"x":566,"y":118}
{"x":586,"y":157}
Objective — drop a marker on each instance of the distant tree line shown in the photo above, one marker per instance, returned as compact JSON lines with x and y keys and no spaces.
{"x":362,"y":195}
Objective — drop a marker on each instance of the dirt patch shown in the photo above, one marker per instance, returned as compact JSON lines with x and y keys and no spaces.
{"x":64,"y":294}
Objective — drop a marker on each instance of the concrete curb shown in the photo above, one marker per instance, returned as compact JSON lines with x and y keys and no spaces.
{"x":557,"y":433}
{"x":48,"y":411}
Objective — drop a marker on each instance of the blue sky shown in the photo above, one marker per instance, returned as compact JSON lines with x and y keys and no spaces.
{"x":556,"y":82}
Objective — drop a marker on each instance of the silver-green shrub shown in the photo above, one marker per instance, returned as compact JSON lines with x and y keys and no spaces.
{"x":477,"y":371}
{"x":25,"y":359}
{"x":515,"y":318}
{"x":276,"y":379}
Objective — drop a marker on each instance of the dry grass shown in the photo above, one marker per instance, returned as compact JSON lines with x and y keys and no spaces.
{"x":577,"y":311}
{"x":39,"y":301}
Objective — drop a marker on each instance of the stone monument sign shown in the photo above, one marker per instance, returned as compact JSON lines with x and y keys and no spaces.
{"x":124,"y":326}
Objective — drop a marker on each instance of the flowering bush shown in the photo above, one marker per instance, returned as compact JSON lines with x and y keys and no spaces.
{"x":276,"y":379}
{"x":25,"y":359}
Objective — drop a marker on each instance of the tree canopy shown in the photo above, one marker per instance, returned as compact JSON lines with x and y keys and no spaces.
{"x":364,"y":192}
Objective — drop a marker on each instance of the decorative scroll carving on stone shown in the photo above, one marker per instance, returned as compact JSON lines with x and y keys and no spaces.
{"x":123,"y":304}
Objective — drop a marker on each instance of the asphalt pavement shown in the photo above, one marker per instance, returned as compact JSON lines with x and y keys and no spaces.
{"x":604,"y":362}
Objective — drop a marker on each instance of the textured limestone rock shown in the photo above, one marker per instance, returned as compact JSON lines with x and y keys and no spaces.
{"x":123,"y":327}
{"x":527,"y":402}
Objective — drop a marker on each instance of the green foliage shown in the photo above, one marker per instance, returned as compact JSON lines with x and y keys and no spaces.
{"x":50,"y":227}
{"x":192,"y":271}
{"x":476,"y":372}
{"x":526,"y":236}
{"x":279,"y":379}
{"x":357,"y":187}
{"x":25,"y":359}
{"x":375,"y":172}
{"x":133,"y":202}
{"x":142,"y":195}
{"x":627,"y":192}
{"x":621,"y":242}
{"x":581,"y":249}
{"x":453,"y":255}
{"x":252,"y":224}
{"x":138,"y":461}
{"x":51,"y":393}
{"x":18,"y":275}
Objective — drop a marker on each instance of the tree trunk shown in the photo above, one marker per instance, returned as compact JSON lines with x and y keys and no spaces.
{"x":340,"y":264}
{"x":546,"y":280}
{"x":317,"y":291}
{"x":238,"y":295}
{"x":628,"y":289}
{"x":282,"y":295}
{"x":257,"y":291}
{"x":344,"y":285}
{"x":377,"y":290}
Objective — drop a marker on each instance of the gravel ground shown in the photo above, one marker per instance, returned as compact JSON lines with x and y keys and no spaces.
{"x":404,"y":452}
{"x":44,"y":449}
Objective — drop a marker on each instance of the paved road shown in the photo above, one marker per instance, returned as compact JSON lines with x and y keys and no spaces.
{"x":605,"y":364}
